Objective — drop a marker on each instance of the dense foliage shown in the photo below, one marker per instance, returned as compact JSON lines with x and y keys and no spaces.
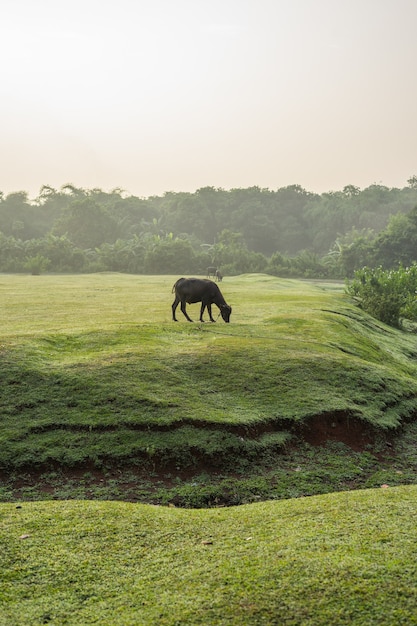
{"x":388,"y":295}
{"x":289,"y":232}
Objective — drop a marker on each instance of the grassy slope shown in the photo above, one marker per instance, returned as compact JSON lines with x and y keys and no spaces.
{"x":347,"y":558}
{"x":91,"y":365}
{"x":94,"y":371}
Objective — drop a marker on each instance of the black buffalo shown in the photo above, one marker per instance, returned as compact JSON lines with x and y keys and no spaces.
{"x":190,"y":290}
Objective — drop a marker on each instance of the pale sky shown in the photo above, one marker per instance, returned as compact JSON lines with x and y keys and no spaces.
{"x":173,"y":95}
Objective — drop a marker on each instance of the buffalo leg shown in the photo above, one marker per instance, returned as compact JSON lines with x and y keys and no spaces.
{"x":203,"y":306}
{"x":183,"y":309}
{"x":174,"y":308}
{"x":209,"y":312}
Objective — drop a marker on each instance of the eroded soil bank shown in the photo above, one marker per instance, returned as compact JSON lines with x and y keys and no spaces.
{"x":330,"y":452}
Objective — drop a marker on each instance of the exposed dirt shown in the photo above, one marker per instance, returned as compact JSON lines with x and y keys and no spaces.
{"x":337,"y":427}
{"x":142,"y":483}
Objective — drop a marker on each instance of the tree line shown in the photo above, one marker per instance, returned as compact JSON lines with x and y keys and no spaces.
{"x":287,"y":232}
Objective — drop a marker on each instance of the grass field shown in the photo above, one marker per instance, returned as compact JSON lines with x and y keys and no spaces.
{"x":347,"y":558}
{"x":98,"y":382}
{"x":104,"y":398}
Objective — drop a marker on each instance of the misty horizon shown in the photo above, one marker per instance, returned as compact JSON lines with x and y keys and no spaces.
{"x":176,"y":96}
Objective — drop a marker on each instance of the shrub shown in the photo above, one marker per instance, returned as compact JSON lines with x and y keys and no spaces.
{"x":37,"y":264}
{"x":388,"y":295}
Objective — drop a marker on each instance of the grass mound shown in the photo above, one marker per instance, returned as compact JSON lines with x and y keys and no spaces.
{"x":97,"y":378}
{"x":346,"y":558}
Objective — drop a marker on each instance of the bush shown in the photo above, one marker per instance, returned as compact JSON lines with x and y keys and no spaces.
{"x":37,"y":264}
{"x":388,"y":295}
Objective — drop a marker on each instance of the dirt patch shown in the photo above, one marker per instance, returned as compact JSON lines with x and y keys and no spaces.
{"x":337,"y":427}
{"x":154,"y":481}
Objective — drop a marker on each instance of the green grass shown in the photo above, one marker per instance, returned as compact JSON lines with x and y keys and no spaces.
{"x":95,"y":375}
{"x":94,"y":371}
{"x":347,"y":558}
{"x":104,"y":398}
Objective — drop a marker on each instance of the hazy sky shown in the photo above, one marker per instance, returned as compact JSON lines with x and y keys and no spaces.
{"x":172,"y":95}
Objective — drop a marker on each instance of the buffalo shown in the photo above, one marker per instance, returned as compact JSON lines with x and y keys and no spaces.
{"x":190,"y":290}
